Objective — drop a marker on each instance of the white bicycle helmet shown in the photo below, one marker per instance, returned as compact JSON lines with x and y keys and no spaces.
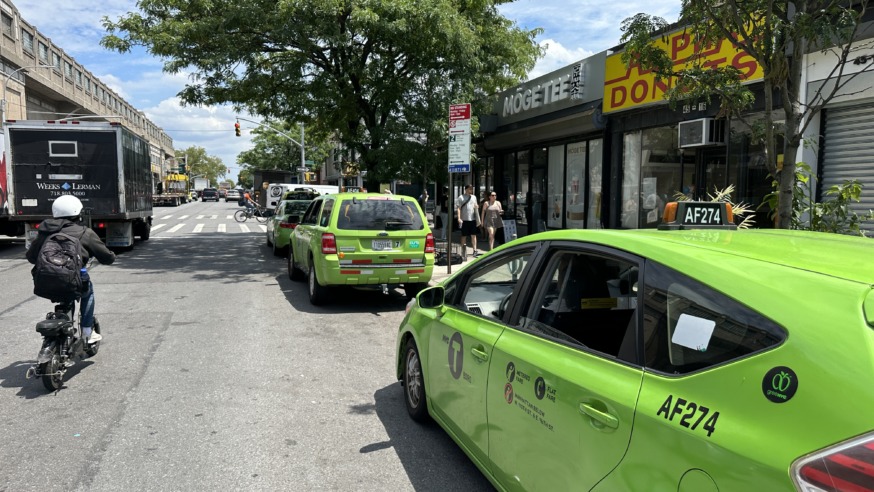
{"x":66,"y":206}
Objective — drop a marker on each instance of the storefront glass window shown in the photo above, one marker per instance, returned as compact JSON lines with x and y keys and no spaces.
{"x":522,"y":196}
{"x":575,"y":185}
{"x":507,"y":192}
{"x":596,"y":172}
{"x":555,"y":198}
{"x":631,"y":154}
{"x":661,"y":173}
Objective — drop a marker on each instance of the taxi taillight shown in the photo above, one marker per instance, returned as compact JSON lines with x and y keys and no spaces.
{"x":329,"y":244}
{"x":844,"y":468}
{"x":287,"y":225}
{"x":429,"y":243}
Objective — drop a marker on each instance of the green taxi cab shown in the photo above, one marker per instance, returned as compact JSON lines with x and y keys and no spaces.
{"x":695,"y":359}
{"x":364,"y":240}
{"x":283,"y":221}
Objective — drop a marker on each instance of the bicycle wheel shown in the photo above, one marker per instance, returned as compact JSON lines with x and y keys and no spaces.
{"x":240,"y":216}
{"x":260,"y":217}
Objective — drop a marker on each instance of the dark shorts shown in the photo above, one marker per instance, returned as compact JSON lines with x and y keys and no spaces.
{"x":468,"y":228}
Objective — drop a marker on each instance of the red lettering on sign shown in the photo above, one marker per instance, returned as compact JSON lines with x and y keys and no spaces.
{"x":745,"y":63}
{"x":638,"y":91}
{"x":678,"y":44}
{"x":618,"y":96}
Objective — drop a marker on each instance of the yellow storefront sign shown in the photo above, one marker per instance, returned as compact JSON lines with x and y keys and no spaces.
{"x":629,"y":87}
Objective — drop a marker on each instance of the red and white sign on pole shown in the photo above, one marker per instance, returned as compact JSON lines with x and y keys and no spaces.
{"x":459,"y":138}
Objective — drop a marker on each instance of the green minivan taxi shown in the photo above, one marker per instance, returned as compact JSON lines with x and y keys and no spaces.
{"x":364,"y":240}
{"x":696,"y":359}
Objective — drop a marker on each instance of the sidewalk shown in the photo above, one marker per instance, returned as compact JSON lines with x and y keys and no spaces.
{"x":440,"y":270}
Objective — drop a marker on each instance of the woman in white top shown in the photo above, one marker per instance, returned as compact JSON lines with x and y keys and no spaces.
{"x":491,"y":217}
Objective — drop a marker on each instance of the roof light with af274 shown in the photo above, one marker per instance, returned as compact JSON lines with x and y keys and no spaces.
{"x":697,"y":215}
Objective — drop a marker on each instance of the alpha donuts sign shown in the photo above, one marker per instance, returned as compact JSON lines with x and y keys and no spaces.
{"x":627,"y":87}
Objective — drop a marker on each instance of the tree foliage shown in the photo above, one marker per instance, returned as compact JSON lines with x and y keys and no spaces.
{"x":273,"y":149}
{"x":203,"y":165}
{"x":777,"y":34}
{"x":371,"y":72}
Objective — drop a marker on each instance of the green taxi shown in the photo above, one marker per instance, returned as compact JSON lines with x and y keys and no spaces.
{"x":283,"y":221}
{"x":694,"y":359}
{"x":364,"y":240}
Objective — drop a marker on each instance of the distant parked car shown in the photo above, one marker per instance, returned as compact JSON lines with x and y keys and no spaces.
{"x":210,"y":194}
{"x":222,"y":193}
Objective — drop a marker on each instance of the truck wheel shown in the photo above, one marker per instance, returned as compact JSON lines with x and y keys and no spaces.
{"x":145,"y":231}
{"x":318,"y":294}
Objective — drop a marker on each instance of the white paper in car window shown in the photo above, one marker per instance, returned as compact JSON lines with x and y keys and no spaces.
{"x":693,"y":332}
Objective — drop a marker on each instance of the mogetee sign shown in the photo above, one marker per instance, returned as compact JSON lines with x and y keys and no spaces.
{"x":629,"y":87}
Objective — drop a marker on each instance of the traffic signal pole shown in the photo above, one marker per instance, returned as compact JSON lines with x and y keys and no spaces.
{"x":303,"y":162}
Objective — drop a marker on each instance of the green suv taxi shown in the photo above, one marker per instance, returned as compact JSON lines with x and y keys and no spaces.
{"x":361,"y":240}
{"x":695,"y":359}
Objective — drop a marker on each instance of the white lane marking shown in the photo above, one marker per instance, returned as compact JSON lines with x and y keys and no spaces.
{"x":156,"y":227}
{"x":263,"y":227}
{"x":198,"y":227}
{"x":183,"y":217}
{"x":244,"y":228}
{"x":166,"y":217}
{"x":213,"y":216}
{"x":176,"y":228}
{"x":229,"y":217}
{"x":222,"y":228}
{"x":200,"y":217}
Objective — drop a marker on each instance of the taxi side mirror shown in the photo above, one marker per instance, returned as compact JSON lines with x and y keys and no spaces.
{"x":432,"y":297}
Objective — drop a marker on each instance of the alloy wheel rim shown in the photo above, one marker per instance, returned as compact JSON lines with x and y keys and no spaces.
{"x":413,"y":379}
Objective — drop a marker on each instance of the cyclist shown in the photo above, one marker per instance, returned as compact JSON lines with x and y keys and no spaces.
{"x":248,"y":202}
{"x":67,"y":213}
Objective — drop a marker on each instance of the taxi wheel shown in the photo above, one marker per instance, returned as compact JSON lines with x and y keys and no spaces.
{"x":318,"y":294}
{"x":414,"y":383}
{"x":293,"y":272}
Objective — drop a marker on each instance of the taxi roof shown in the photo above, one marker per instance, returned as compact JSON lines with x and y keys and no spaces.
{"x":847,"y":257}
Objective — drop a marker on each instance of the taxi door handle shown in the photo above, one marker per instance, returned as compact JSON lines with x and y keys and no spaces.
{"x":479,"y":354}
{"x":603,"y":417}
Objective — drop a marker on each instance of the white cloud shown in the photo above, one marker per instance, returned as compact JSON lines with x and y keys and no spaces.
{"x":557,"y":56}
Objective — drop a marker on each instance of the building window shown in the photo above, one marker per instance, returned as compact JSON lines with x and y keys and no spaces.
{"x":7,"y":24}
{"x":27,"y":41}
{"x":56,"y":61}
{"x":87,"y":85}
{"x":68,"y":70}
{"x":79,"y":78}
{"x":43,"y":53}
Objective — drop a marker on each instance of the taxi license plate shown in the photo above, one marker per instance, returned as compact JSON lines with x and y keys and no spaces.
{"x":381,"y":245}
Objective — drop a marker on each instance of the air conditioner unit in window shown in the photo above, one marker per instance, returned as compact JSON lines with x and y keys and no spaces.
{"x":698,"y":133}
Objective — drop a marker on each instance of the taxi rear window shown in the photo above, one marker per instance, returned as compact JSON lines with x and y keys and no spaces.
{"x":379,"y":215}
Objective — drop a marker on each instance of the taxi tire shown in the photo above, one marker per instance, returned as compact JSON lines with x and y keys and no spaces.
{"x":318,"y":294}
{"x":294,"y":273}
{"x":414,"y":383}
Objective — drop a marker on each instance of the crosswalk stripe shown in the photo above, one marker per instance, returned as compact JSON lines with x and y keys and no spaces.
{"x":213,"y":216}
{"x":176,"y":228}
{"x":166,"y":217}
{"x":222,"y":228}
{"x":229,"y":217}
{"x":183,"y":217}
{"x":200,"y":217}
{"x":198,"y":227}
{"x":244,"y":228}
{"x":156,"y":227}
{"x":262,"y":227}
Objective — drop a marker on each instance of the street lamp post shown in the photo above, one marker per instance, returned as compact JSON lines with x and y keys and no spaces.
{"x":303,"y":162}
{"x":6,"y":88}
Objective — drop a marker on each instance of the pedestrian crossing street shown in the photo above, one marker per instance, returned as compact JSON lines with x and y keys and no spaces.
{"x":195,"y":224}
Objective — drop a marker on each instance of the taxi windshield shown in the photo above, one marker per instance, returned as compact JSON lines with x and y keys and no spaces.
{"x":382,"y":215}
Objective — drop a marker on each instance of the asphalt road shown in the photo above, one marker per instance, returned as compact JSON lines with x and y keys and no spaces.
{"x":215,"y":373}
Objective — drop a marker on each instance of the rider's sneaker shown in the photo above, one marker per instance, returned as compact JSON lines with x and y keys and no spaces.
{"x":94,"y":338}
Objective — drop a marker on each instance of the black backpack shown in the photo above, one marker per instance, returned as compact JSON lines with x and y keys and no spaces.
{"x":56,"y":274}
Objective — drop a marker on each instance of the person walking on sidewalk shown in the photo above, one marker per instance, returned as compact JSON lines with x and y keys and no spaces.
{"x":466,"y":212}
{"x":443,"y":211}
{"x":491,"y":217}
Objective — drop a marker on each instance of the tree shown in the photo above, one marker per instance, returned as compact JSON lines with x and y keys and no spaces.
{"x":200,"y":164}
{"x":273,"y":150}
{"x":372,"y":72}
{"x":777,"y":34}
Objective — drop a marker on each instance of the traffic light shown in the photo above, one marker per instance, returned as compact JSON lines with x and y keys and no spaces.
{"x":237,"y":128}
{"x":182,"y":165}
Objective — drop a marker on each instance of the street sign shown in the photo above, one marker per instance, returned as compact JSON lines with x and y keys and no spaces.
{"x":303,"y":169}
{"x":309,"y":163}
{"x":459,"y":138}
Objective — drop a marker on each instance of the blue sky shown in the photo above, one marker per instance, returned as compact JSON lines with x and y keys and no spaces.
{"x":572,"y":30}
